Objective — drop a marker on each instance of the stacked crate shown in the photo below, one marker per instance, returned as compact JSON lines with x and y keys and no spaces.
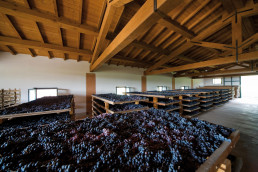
{"x":161,"y":100}
{"x":9,"y":98}
{"x":189,"y":105}
{"x":101,"y":105}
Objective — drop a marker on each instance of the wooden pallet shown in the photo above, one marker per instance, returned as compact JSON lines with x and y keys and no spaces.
{"x":114,"y":103}
{"x":128,"y":111}
{"x":173,"y":109}
{"x":219,"y":156}
{"x":188,"y":110}
{"x":197,"y":103}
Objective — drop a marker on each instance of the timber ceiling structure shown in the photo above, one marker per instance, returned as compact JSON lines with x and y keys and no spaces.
{"x":192,"y":38}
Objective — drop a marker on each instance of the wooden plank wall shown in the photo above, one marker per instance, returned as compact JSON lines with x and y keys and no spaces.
{"x":90,"y":89}
{"x":144,"y":84}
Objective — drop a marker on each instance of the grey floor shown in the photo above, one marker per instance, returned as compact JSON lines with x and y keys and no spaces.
{"x":241,"y":114}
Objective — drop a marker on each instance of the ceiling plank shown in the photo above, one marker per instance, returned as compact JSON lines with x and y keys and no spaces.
{"x":218,"y":61}
{"x":204,"y":34}
{"x":212,"y":45}
{"x":195,"y":23}
{"x":194,"y":12}
{"x":144,"y":18}
{"x":39,"y":45}
{"x":35,"y":15}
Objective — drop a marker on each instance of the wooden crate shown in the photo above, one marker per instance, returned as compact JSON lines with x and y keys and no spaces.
{"x":215,"y":161}
{"x":9,"y":97}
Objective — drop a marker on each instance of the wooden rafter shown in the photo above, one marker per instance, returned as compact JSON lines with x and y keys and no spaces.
{"x":79,"y":21}
{"x":35,"y":15}
{"x":142,"y":20}
{"x":233,"y":71}
{"x":218,"y":61}
{"x":9,"y":22}
{"x":10,"y":49}
{"x":39,"y":45}
{"x":212,"y":45}
{"x":207,"y":32}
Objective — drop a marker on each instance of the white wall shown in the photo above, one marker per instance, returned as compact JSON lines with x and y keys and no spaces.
{"x":24,"y":72}
{"x":158,"y":80}
{"x":209,"y":82}
{"x":182,"y":81}
{"x":198,"y":83}
{"x":109,"y":77}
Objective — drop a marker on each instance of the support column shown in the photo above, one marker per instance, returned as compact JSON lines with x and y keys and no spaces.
{"x":90,"y":89}
{"x":173,"y":83}
{"x":192,"y":85}
{"x":144,"y":84}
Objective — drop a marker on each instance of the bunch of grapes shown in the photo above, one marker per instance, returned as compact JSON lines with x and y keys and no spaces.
{"x":150,"y":140}
{"x":119,"y":98}
{"x":124,"y":107}
{"x":41,"y":104}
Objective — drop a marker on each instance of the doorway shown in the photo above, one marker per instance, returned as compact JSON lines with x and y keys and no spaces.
{"x":249,"y":86}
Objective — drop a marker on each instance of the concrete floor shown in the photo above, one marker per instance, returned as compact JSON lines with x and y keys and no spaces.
{"x":241,"y":114}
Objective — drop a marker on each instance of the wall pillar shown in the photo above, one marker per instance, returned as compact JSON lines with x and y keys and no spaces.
{"x":90,"y":89}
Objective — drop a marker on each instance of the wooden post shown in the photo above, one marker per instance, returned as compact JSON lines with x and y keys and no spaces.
{"x":144,"y":84}
{"x":155,"y":100}
{"x":181,"y":105}
{"x":90,"y":89}
{"x":106,"y":106}
{"x":2,"y":95}
{"x":72,"y":112}
{"x":173,"y":83}
{"x":137,"y":102}
{"x":192,"y":85}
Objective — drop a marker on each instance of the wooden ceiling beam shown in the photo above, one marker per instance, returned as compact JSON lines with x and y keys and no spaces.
{"x":212,"y":45}
{"x":228,"y":75}
{"x":39,"y":45}
{"x":79,"y":21}
{"x":35,"y":15}
{"x":10,"y":49}
{"x":218,"y":61}
{"x":204,"y":34}
{"x":119,"y":3}
{"x":187,"y":59}
{"x":144,"y":18}
{"x":233,"y":71}
{"x":175,"y":26}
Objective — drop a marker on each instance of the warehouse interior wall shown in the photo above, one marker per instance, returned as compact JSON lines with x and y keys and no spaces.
{"x":24,"y":72}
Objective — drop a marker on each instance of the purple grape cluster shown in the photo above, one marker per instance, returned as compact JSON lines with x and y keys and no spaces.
{"x":119,"y":98}
{"x":207,"y":99}
{"x":34,"y":121}
{"x":166,"y":101}
{"x":124,"y":107}
{"x":151,"y":140}
{"x":191,"y":108}
{"x":41,"y":104}
{"x":191,"y":103}
{"x":170,"y":107}
{"x":191,"y":98}
{"x":207,"y":104}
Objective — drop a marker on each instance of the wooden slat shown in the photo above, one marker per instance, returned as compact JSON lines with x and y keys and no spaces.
{"x":39,"y":45}
{"x":32,"y":14}
{"x":142,"y":20}
{"x":219,"y":61}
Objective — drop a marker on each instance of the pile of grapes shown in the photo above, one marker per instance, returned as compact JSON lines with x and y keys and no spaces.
{"x":34,"y":121}
{"x":119,"y":98}
{"x":170,"y":107}
{"x":207,"y":104}
{"x":191,"y":113}
{"x":152,"y":140}
{"x":124,"y":107}
{"x":191,"y":98}
{"x":207,"y":99}
{"x":41,"y":104}
{"x":191,"y":103}
{"x":191,"y":108}
{"x":166,"y":101}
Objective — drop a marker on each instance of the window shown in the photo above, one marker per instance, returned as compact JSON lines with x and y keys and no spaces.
{"x":184,"y":87}
{"x":123,"y":90}
{"x":217,"y":81}
{"x":162,"y":88}
{"x":36,"y":93}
